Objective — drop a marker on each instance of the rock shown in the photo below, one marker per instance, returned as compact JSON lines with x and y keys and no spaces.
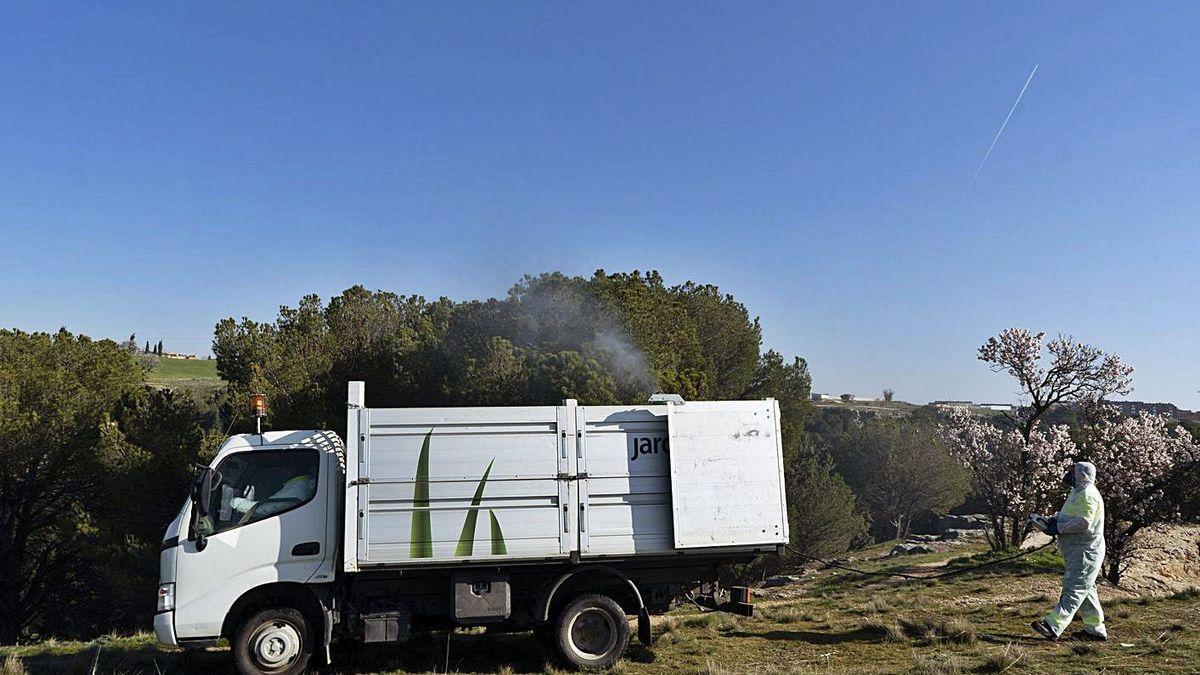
{"x":952,"y":535}
{"x":910,"y":549}
{"x":780,"y":580}
{"x":922,"y":538}
{"x":972,"y":521}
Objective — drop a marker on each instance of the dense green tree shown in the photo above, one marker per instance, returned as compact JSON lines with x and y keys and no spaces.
{"x":899,"y":470}
{"x":149,"y":446}
{"x":729,"y":339}
{"x":791,"y":385}
{"x":605,"y":339}
{"x":824,"y":517}
{"x":55,"y":391}
{"x":303,"y":360}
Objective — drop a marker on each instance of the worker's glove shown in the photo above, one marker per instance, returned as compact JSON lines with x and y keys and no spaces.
{"x":1052,"y":526}
{"x":241,"y":504}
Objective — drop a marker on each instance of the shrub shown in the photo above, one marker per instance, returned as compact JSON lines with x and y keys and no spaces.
{"x":889,"y":631}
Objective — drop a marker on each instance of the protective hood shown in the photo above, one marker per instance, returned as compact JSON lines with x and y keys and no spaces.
{"x":1085,"y":475}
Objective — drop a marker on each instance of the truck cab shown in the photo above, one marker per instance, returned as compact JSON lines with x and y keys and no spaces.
{"x":262,"y":522}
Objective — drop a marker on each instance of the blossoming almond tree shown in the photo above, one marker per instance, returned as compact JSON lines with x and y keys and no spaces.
{"x":1016,"y":472}
{"x":1075,"y":372}
{"x":1141,"y":464}
{"x":1012,"y":475}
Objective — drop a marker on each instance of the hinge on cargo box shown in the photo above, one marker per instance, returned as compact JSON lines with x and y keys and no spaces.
{"x":566,"y":476}
{"x":364,"y":480}
{"x":353,"y":406}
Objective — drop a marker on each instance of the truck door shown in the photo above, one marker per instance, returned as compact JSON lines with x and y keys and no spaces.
{"x":268,"y":524}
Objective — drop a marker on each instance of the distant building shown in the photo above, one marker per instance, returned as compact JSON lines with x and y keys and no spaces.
{"x":951,"y":404}
{"x":824,"y":397}
{"x":1134,"y":407}
{"x":177,"y":355}
{"x":1004,"y":407}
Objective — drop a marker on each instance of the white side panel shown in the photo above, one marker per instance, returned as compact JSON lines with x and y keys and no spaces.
{"x":625,"y":505}
{"x":521,"y":499}
{"x":727,"y":474}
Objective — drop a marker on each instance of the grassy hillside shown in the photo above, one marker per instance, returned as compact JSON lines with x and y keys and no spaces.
{"x":197,"y":375}
{"x":830,"y":622}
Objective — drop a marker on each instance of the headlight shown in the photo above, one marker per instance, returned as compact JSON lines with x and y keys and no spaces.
{"x":166,"y":597}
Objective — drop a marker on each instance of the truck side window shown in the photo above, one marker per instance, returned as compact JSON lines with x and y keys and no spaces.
{"x":259,"y":484}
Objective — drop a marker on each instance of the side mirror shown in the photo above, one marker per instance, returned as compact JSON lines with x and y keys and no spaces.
{"x":202,"y":524}
{"x":204,"y":489}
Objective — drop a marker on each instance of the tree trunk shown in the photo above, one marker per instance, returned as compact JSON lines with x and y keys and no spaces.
{"x":1112,"y":569}
{"x":998,"y":537}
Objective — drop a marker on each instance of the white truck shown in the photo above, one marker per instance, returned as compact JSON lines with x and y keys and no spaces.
{"x":562,"y":519}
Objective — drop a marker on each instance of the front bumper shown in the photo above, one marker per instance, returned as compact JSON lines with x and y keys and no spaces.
{"x":164,"y":628}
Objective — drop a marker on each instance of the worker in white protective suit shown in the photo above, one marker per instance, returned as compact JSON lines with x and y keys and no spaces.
{"x":1079,"y":526}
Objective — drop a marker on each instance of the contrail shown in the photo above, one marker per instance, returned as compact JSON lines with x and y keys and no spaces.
{"x":1011,"y":110}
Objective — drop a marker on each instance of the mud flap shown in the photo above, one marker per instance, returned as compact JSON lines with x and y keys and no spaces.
{"x":327,"y":634}
{"x":644,"y":635}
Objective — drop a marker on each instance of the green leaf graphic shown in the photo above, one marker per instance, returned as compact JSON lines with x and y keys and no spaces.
{"x":421,"y":538}
{"x":498,"y":546}
{"x":466,"y":538}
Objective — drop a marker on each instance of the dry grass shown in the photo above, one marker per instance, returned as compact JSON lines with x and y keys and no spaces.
{"x":877,"y":605}
{"x":937,"y":664}
{"x":889,"y":631}
{"x":1002,"y":660}
{"x":925,"y":630}
{"x":706,"y":620}
{"x":13,"y":666}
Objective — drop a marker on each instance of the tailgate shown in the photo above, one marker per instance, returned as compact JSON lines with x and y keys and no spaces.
{"x":727,"y":484}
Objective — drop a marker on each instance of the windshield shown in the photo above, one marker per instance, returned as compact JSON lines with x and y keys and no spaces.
{"x":251,"y":486}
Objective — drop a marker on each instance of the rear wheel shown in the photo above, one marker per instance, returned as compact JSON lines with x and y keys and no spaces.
{"x":592,"y":631}
{"x":273,"y":642}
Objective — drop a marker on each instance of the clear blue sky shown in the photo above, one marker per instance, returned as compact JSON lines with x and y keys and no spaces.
{"x":163,"y":165}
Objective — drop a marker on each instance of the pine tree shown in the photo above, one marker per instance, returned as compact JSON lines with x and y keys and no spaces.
{"x":158,"y":349}
{"x":146,"y":349}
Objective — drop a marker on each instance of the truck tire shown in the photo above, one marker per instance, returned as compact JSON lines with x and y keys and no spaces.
{"x":591,"y":632}
{"x":273,"y":642}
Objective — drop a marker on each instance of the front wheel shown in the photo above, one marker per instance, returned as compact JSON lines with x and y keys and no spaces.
{"x":273,"y":642}
{"x":591,"y":632}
